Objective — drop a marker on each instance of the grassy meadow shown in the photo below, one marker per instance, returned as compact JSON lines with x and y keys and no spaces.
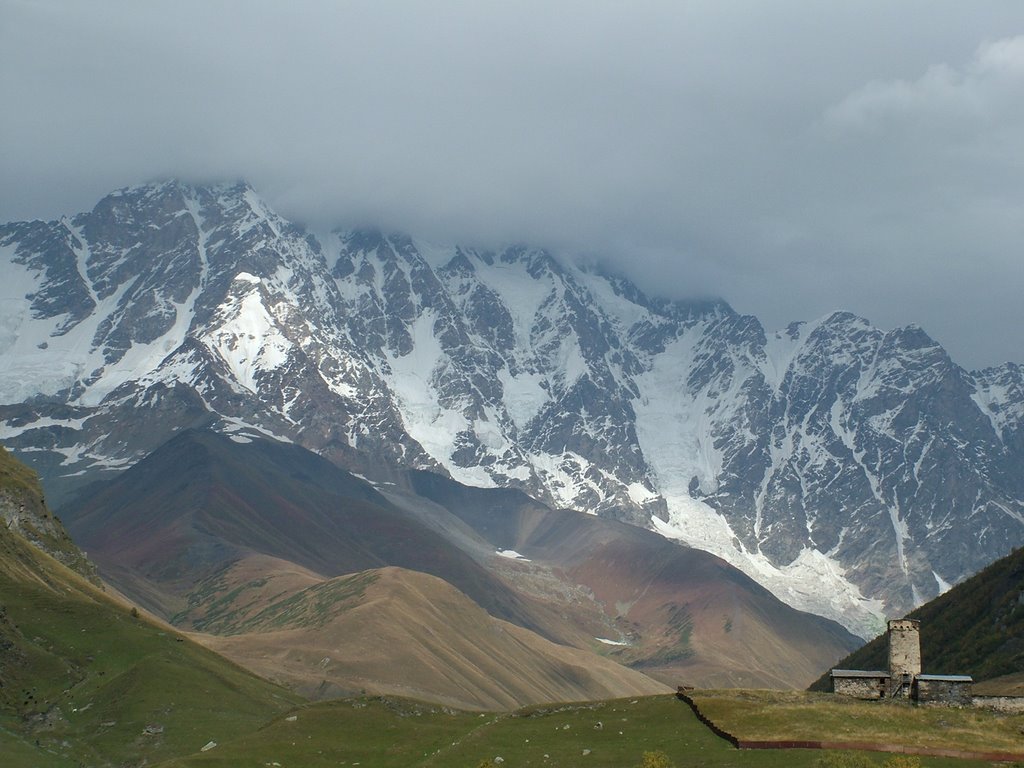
{"x":803,"y":716}
{"x":397,"y":733}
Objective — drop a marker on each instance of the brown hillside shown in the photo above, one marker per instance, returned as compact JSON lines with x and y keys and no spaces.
{"x":686,"y":616}
{"x":211,"y":533}
{"x":394,"y":631}
{"x":701,"y":622}
{"x":202,"y":501}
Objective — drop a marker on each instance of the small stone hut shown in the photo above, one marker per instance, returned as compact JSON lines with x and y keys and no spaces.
{"x":859,"y":683}
{"x":954,"y":690}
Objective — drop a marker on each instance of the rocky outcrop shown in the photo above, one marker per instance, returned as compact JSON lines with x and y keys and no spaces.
{"x":23,"y":512}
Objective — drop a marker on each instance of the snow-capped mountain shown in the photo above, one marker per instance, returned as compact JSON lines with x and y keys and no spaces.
{"x":853,"y":471}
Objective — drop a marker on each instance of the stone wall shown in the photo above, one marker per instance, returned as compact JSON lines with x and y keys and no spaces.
{"x":950,"y":693}
{"x":1009,"y":704}
{"x":859,"y":687}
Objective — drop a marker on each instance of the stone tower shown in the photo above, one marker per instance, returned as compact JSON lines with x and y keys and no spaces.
{"x":904,"y":656}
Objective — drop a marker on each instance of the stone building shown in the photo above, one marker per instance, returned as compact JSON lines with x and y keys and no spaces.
{"x":859,"y":683}
{"x":904,"y":657}
{"x":953,"y":690}
{"x":904,"y":680}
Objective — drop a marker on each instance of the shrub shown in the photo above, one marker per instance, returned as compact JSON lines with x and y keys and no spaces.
{"x":655,"y":760}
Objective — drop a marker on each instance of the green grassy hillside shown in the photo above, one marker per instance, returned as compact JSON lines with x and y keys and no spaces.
{"x":84,"y":681}
{"x":976,"y":628}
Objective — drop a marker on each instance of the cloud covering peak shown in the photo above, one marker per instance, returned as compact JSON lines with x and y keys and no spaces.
{"x":792,"y":157}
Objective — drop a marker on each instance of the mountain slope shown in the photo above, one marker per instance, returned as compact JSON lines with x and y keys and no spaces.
{"x":23,"y":511}
{"x":203,"y":501}
{"x":393,"y":631}
{"x":678,"y":614}
{"x":976,"y":628}
{"x":210,"y":531}
{"x":838,"y":464}
{"x":81,"y":678}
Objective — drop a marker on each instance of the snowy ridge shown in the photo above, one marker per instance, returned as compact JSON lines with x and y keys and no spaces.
{"x":838,"y":464}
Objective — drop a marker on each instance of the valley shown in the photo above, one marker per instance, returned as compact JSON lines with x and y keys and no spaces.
{"x":85,"y":680}
{"x":337,"y":590}
{"x":270,"y":548}
{"x":506,"y":385}
{"x":363,"y":476}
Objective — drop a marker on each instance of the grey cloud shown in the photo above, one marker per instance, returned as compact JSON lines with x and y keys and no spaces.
{"x":987,"y":90}
{"x":792,"y":157}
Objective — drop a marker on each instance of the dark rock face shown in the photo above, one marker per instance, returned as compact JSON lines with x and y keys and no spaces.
{"x":171,"y":306}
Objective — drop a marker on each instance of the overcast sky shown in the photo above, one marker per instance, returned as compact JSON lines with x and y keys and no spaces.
{"x":792,"y":157}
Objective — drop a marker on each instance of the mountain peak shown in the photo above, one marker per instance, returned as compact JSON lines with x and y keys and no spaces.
{"x":830,"y":450}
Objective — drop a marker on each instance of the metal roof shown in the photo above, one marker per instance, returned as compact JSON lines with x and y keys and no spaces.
{"x":947,"y":678}
{"x":858,"y":673}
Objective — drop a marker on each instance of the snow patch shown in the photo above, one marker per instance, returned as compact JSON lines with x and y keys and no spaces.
{"x":82,"y":255}
{"x":1000,"y":402}
{"x":640,"y":494}
{"x":902,"y":534}
{"x":511,"y":554}
{"x":429,"y":423}
{"x":248,"y":339}
{"x":519,"y":291}
{"x":565,"y":477}
{"x":624,"y":313}
{"x":524,"y":396}
{"x":231,"y":426}
{"x":673,"y":425}
{"x":7,"y":431}
{"x":37,"y":359}
{"x":814,"y":582}
{"x":520,"y":472}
